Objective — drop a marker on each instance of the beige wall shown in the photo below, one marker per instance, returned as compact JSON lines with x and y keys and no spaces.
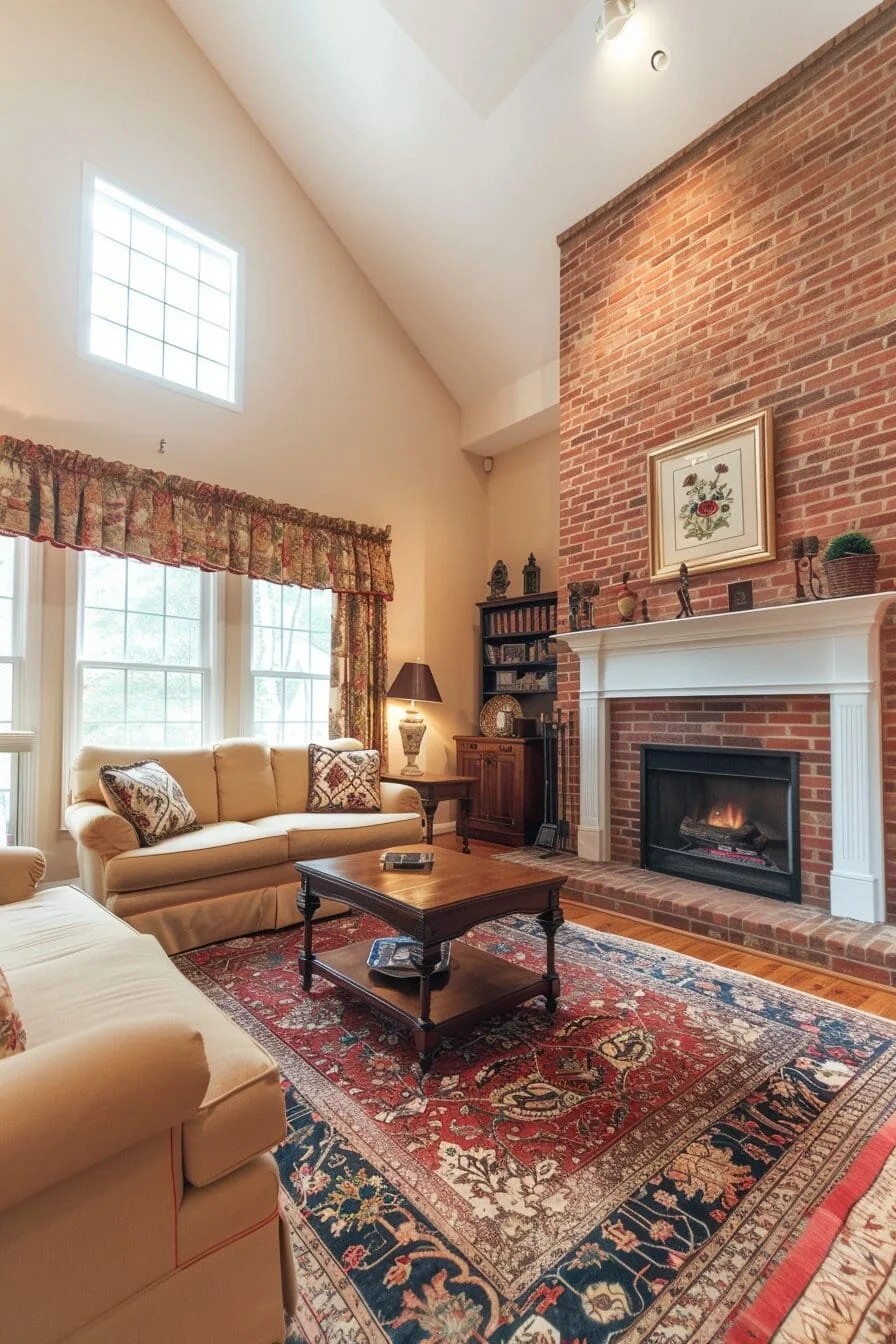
{"x":524,"y":510}
{"x":342,"y":415}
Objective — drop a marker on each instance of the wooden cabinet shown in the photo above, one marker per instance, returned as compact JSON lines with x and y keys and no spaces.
{"x":509,"y":787}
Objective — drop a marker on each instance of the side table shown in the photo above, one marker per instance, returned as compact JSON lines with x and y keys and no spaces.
{"x":435,"y":789}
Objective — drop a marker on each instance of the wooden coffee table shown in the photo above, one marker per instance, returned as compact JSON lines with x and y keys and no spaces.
{"x":459,"y":892}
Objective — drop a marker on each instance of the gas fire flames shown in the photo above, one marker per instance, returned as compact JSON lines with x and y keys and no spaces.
{"x":727,"y":818}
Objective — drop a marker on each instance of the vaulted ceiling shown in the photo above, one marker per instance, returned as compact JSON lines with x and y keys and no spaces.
{"x":448,"y":142}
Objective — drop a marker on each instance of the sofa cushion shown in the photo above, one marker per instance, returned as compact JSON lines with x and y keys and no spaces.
{"x":55,"y":923}
{"x":343,"y":781}
{"x":225,"y":847}
{"x":12,"y":1033}
{"x":192,"y":767}
{"x":313,"y":835}
{"x":290,"y":766}
{"x":242,"y":1111}
{"x":245,"y":779}
{"x":149,"y":798}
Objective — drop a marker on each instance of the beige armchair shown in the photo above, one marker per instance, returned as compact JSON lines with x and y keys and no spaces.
{"x":139,"y":1198}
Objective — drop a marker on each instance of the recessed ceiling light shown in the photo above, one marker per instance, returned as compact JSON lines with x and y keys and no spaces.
{"x":614,"y":15}
{"x":659,"y":60}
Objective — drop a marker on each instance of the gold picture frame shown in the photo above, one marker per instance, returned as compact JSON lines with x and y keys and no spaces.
{"x":711,"y":499}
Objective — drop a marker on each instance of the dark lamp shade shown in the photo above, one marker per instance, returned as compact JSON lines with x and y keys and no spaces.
{"x":414,"y":682}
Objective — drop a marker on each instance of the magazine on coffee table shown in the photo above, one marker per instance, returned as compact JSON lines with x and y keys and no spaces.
{"x":392,"y":956}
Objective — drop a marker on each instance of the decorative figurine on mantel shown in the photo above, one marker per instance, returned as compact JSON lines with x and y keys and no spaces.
{"x":645,"y":615}
{"x":589,"y":589}
{"x":575,"y":602}
{"x":531,"y":577}
{"x":804,"y":551}
{"x":682,"y":592}
{"x":626,"y":601}
{"x":499,"y":581}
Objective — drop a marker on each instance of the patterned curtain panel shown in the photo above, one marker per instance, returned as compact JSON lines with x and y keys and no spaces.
{"x":86,"y":502}
{"x":358,"y":681}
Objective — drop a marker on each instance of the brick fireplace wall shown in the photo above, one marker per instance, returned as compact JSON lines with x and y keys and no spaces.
{"x":801,"y":723}
{"x":755,"y":269}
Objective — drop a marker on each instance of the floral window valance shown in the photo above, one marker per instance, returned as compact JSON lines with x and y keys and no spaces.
{"x":71,"y":499}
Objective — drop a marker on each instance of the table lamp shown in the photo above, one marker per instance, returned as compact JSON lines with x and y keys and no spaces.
{"x":414,"y":682}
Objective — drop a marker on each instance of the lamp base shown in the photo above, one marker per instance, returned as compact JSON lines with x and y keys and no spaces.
{"x":411,"y":728}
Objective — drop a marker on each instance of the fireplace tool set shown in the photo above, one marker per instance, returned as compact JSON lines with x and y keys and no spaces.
{"x":553,"y":833}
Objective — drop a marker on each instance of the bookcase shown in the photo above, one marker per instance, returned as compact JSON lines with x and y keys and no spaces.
{"x":518,"y":657}
{"x":519,"y":649}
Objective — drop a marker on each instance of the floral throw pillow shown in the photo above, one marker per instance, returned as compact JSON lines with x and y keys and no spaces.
{"x":149,"y":798}
{"x":343,"y":781}
{"x":12,"y":1033}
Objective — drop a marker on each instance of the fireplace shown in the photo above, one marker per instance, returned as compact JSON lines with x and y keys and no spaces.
{"x":722,"y":815}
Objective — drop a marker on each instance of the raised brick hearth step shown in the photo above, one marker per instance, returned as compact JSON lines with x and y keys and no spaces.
{"x":799,"y":932}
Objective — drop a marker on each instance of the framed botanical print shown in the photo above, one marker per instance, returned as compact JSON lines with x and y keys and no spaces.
{"x":710,"y":498}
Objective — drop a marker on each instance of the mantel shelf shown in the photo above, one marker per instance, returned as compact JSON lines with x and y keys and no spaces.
{"x":795,"y":648}
{"x":829,"y":648}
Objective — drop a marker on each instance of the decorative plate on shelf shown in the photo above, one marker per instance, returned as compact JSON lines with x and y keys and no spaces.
{"x":498,"y":714}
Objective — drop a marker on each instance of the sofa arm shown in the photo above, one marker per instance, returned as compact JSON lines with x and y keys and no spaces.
{"x":21,"y":869}
{"x":100,"y":829}
{"x":115,"y":1086}
{"x":400,"y":798}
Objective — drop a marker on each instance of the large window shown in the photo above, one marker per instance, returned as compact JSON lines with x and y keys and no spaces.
{"x":290,"y":662}
{"x":161,"y":298}
{"x":145,"y":654}
{"x":17,"y":695}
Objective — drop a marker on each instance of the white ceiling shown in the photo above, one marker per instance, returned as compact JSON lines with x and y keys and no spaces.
{"x":448,"y":142}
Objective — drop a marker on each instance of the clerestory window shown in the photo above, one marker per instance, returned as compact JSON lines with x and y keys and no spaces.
{"x":160,"y":298}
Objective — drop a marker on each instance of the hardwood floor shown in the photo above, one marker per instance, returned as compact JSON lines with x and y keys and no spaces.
{"x":823,"y":984}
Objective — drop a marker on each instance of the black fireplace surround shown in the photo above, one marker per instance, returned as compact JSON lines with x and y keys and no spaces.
{"x":723,"y":815}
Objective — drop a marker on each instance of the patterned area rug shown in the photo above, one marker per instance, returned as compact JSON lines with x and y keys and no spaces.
{"x":648,"y":1165}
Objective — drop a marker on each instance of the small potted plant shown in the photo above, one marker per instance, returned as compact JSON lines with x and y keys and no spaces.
{"x":850,"y":565}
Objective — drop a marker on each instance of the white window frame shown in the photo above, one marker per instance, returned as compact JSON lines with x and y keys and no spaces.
{"x":22,"y":740}
{"x":212,"y":668}
{"x":91,"y":177}
{"x":247,"y":679}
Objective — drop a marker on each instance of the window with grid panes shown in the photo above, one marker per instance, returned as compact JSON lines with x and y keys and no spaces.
{"x":13,"y":608}
{"x":290,"y":662}
{"x":144,"y":661}
{"x":162,"y":296}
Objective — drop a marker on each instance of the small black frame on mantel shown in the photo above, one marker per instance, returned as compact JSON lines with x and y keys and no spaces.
{"x":740,"y":595}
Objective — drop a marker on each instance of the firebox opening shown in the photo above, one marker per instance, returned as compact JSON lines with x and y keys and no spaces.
{"x":723,"y":816}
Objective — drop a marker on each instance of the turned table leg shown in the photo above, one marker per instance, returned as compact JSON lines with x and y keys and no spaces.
{"x":550,"y":921}
{"x":424,"y":960}
{"x":429,"y":811}
{"x":464,"y":805}
{"x":307,"y":904}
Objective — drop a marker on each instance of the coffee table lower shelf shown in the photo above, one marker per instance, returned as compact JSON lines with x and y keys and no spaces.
{"x":475,"y":986}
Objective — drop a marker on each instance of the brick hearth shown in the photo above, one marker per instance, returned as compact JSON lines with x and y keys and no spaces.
{"x":847,"y":946}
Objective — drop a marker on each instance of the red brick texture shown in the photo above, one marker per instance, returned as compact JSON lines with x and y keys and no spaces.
{"x":757,"y":269}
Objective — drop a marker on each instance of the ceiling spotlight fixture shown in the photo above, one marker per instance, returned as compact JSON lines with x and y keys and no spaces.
{"x":614,"y":15}
{"x":659,"y":60}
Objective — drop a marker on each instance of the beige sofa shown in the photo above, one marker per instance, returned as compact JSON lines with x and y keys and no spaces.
{"x":236,"y":874}
{"x":139,"y":1198}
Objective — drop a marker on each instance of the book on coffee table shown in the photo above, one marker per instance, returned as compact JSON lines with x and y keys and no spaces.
{"x":411,"y":859}
{"x":392,"y":956}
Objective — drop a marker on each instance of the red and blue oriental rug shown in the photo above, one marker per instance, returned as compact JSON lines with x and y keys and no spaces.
{"x":681,"y":1154}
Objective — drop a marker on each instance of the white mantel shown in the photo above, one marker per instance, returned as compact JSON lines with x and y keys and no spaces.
{"x":830,"y":648}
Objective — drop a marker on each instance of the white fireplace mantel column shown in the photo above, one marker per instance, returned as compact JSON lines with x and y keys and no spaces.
{"x":829,"y":648}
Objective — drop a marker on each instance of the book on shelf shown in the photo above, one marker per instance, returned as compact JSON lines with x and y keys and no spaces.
{"x":410,"y":860}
